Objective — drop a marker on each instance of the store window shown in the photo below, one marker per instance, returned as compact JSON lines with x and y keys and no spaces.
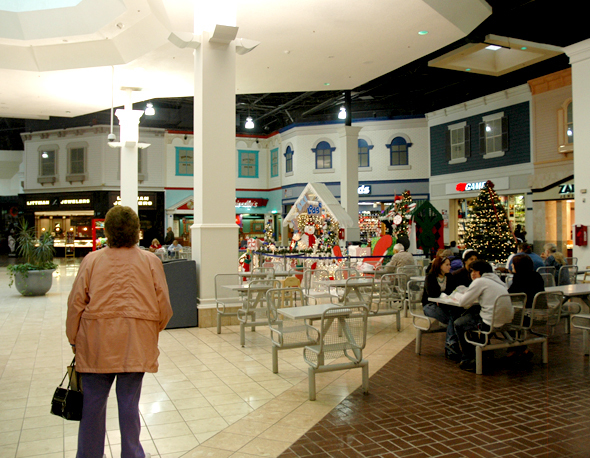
{"x":565,"y":127}
{"x":47,"y":164}
{"x":77,"y":153}
{"x":184,"y":161}
{"x":458,"y":145}
{"x":398,"y":151}
{"x":248,"y":161}
{"x":493,"y":135}
{"x":323,"y":155}
{"x":289,"y":160}
{"x":364,"y":149}
{"x":274,"y":162}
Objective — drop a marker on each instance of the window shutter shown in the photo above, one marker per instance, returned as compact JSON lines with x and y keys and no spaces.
{"x":448,"y":145}
{"x":482,"y":138}
{"x":467,"y":139}
{"x":504,"y":133}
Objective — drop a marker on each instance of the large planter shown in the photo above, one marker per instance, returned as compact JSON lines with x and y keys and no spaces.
{"x":33,"y":282}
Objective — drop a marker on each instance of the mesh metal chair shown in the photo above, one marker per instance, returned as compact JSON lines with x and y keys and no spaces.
{"x":582,"y":321}
{"x":546,"y":270}
{"x":343,"y":334}
{"x":387,"y":299}
{"x":571,"y":261}
{"x":268,"y":271}
{"x":568,"y":275}
{"x":548,"y":279}
{"x":423,"y":324}
{"x":410,"y":271}
{"x":254,"y":312}
{"x":358,"y":291}
{"x":285,"y":333}
{"x":227,"y":301}
{"x":344,"y":273}
{"x":546,"y":312}
{"x":516,"y":333}
{"x":508,"y":280}
{"x":313,"y":289}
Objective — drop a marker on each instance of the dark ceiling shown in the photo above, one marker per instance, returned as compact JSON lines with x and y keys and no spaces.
{"x":412,"y":90}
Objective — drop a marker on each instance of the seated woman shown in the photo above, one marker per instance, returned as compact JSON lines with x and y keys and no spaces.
{"x":155,"y":245}
{"x":554,"y":258}
{"x":527,"y":281}
{"x":438,"y":281}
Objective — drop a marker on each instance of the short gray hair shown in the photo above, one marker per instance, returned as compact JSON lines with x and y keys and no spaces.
{"x":398,"y":247}
{"x":550,"y":247}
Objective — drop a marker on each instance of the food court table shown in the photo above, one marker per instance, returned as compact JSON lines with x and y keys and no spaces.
{"x":351,"y":285}
{"x":580,"y":290}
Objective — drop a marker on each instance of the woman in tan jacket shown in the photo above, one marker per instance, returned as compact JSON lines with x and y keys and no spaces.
{"x":118,"y":305}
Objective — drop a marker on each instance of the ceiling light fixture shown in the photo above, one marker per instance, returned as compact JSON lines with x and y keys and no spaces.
{"x":249,"y":123}
{"x":423,"y":32}
{"x":493,"y":47}
{"x":342,"y":113}
{"x":149,"y":109}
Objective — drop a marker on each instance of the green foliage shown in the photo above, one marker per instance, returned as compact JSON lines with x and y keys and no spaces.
{"x":487,"y":230}
{"x":37,"y":253}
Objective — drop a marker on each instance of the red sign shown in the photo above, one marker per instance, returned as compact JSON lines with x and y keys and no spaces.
{"x":248,"y":203}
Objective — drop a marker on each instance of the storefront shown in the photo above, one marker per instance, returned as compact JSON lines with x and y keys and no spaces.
{"x":74,"y":214}
{"x":554,"y":210}
{"x":454,"y":199}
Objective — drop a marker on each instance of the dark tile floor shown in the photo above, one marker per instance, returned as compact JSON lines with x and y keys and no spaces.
{"x":425,"y":406}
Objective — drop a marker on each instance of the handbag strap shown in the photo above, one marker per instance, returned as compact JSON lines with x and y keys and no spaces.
{"x":73,"y":364}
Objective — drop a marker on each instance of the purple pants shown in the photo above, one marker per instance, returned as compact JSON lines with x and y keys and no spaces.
{"x":91,"y":433}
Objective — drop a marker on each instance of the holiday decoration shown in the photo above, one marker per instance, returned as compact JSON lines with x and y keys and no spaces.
{"x":487,"y":230}
{"x":399,"y":214}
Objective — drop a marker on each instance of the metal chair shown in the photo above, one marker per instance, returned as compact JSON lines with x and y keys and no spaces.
{"x":343,"y":334}
{"x":546,"y":312}
{"x":586,"y":278}
{"x":571,"y":261}
{"x":582,"y":321}
{"x":226,"y":298}
{"x":548,"y":279}
{"x":269,"y":271}
{"x":314,"y":290}
{"x":387,"y":299}
{"x":254,"y":312}
{"x":568,"y":275}
{"x":287,"y":334}
{"x":410,"y":271}
{"x":514,"y":334}
{"x":343,"y":273}
{"x":546,"y":270}
{"x":423,"y":324}
{"x":358,"y":291}
{"x":508,"y":280}
{"x":291,"y":282}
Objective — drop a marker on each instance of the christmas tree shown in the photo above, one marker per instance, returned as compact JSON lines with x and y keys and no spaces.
{"x":487,"y":230}
{"x":399,"y":215}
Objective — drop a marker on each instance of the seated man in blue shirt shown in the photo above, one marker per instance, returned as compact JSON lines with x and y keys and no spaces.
{"x":525,"y":248}
{"x":174,"y":249}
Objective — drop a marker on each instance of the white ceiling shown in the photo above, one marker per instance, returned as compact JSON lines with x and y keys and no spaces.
{"x":58,"y":61}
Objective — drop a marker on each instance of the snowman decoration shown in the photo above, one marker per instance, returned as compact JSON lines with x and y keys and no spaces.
{"x":309,"y":238}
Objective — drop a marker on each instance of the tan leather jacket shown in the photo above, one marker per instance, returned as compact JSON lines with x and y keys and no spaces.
{"x":118,"y":305}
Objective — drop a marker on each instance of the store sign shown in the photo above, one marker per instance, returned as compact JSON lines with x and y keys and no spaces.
{"x":566,"y":189}
{"x":315,"y":208}
{"x":142,"y":201}
{"x":476,"y":186}
{"x":250,"y":203}
{"x":57,"y":202}
{"x":462,"y":187}
{"x":364,"y":189}
{"x":31,"y":203}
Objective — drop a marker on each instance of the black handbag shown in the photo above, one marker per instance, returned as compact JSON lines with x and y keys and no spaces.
{"x":67,"y":402}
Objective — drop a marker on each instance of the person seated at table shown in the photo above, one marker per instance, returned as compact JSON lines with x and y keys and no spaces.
{"x":454,"y":248}
{"x":155,"y":245}
{"x":525,"y":248}
{"x":174,"y":249}
{"x":441,"y":253}
{"x":463,"y":276}
{"x":400,"y":258}
{"x":554,"y":258}
{"x":485,"y":288}
{"x":439,"y":280}
{"x":527,"y":281}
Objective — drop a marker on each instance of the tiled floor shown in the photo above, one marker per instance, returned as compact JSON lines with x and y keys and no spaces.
{"x":211,"y":397}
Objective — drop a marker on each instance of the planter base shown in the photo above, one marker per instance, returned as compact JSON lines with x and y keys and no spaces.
{"x":34,"y":282}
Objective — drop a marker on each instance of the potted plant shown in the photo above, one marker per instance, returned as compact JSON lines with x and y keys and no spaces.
{"x":34,"y":276}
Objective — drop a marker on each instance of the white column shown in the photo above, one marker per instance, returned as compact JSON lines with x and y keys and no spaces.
{"x":214,"y":234}
{"x":349,"y":161}
{"x":129,"y":123}
{"x":579,"y":55}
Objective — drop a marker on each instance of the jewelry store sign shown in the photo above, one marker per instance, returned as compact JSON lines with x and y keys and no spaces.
{"x":58,"y":202}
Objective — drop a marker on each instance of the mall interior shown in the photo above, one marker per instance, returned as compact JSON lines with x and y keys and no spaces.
{"x":411,"y":75}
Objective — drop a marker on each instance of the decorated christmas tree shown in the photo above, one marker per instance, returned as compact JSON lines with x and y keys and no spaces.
{"x":487,"y":230}
{"x":399,"y":215}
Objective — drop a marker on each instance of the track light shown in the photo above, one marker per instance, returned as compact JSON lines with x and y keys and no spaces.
{"x":249,"y":123}
{"x":149,"y":109}
{"x":342,"y":113}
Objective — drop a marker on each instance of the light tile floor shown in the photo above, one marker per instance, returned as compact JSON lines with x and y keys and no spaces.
{"x":210,"y":398}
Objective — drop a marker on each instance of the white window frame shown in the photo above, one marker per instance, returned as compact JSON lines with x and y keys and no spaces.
{"x":489,"y":119}
{"x":77,"y":176}
{"x":459,"y":127}
{"x":565,"y":144}
{"x":48,"y":178}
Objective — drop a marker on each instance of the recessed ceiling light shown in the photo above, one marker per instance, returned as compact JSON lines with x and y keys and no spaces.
{"x":423,"y":32}
{"x":326,"y":84}
{"x":493,"y":47}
